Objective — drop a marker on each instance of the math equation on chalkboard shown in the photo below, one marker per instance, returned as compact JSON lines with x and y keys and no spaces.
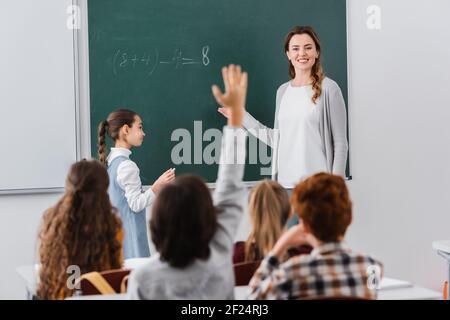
{"x":148,"y":62}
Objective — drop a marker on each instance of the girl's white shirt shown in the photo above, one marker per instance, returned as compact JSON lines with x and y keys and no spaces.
{"x":129,"y":180}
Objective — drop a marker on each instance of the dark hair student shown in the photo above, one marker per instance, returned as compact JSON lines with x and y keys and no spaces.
{"x":192,"y":233}
{"x":181,"y":236}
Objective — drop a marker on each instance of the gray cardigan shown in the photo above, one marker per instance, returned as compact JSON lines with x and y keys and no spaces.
{"x":212,"y":278}
{"x":332,"y":127}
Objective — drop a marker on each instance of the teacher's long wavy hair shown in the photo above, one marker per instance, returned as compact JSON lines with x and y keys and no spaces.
{"x":317,"y":70}
{"x":80,"y":230}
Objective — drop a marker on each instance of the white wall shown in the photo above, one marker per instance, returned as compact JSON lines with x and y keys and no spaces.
{"x":20,"y":218}
{"x":399,"y":133}
{"x":36,"y":102}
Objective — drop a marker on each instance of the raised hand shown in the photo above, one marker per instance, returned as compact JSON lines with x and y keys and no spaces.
{"x":233,"y":100}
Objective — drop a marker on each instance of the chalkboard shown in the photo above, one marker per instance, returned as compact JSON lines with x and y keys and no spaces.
{"x":159,"y":58}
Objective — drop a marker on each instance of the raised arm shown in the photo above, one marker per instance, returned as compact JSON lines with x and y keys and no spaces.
{"x":256,"y":128}
{"x":228,"y":196}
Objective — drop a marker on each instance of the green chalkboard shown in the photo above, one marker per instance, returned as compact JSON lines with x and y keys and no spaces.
{"x":160,"y":57}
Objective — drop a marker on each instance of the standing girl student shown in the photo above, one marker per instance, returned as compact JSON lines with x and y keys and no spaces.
{"x":125,"y":190}
{"x":81,"y":230}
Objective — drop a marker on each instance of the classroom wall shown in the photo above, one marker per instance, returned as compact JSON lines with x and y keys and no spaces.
{"x":399,"y":137}
{"x":399,"y":134}
{"x":20,"y":219}
{"x":38,"y":69}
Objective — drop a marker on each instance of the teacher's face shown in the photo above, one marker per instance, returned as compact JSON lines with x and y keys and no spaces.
{"x":302,"y":52}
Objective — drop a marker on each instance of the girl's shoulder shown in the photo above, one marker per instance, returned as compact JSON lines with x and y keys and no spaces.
{"x":123,"y":161}
{"x":126,"y":166}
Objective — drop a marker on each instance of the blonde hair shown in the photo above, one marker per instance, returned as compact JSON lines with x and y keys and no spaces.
{"x":269,"y":209}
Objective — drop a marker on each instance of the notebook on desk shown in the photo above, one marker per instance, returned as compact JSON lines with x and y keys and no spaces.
{"x":390,"y":283}
{"x":441,"y":245}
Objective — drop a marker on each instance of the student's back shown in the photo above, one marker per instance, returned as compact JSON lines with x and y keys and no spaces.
{"x":210,"y":278}
{"x":332,"y":269}
{"x":192,"y":233}
{"x":80,"y":230}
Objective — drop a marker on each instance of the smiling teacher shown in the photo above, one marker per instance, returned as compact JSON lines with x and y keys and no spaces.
{"x":309,"y":134}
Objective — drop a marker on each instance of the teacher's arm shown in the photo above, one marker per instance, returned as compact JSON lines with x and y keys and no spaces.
{"x":256,"y":128}
{"x":338,"y":115}
{"x":260,"y":131}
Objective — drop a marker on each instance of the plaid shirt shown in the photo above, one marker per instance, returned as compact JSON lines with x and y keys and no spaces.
{"x":330,"y":270}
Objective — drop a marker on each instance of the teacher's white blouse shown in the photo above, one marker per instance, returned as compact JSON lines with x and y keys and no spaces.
{"x":301,"y":151}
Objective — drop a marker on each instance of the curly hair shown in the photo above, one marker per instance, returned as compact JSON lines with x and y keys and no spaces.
{"x":323,"y":203}
{"x":82,"y":229}
{"x":269,"y":210}
{"x":111,"y":126}
{"x":317,"y":71}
